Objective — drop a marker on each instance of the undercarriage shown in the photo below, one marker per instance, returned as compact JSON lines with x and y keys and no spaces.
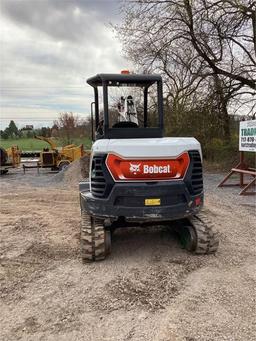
{"x":196,"y":234}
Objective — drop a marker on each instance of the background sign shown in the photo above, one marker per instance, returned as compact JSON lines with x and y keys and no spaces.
{"x":247,"y":136}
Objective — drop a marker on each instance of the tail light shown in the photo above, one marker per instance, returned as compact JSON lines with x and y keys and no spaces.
{"x":147,"y":170}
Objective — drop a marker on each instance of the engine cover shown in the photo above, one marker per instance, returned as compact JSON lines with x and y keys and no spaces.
{"x":151,"y":148}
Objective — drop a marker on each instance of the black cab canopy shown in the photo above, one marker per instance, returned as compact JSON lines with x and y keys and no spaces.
{"x":125,"y":129}
{"x":116,"y":79}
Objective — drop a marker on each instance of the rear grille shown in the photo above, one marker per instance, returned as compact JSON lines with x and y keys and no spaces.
{"x":197,"y":172}
{"x":98,"y":181}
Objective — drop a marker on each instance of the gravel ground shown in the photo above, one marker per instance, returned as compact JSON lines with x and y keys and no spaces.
{"x":149,"y":289}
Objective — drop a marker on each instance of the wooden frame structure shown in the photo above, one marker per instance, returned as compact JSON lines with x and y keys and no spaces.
{"x":241,"y":169}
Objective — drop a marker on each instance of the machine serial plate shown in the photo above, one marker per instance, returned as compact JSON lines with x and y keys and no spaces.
{"x":153,"y":202}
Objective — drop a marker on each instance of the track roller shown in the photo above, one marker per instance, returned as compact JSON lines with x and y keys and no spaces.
{"x":95,"y":240}
{"x":199,"y":236}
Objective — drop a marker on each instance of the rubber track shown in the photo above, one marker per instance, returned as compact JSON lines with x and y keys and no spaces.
{"x":207,"y":237}
{"x":92,"y":239}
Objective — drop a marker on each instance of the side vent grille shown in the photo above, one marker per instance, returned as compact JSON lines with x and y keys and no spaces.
{"x":48,"y":159}
{"x":98,"y":181}
{"x":197,"y":172}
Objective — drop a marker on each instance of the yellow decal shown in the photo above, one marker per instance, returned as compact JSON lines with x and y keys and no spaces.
{"x":152,"y":202}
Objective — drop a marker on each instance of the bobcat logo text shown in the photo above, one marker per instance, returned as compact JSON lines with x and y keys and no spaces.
{"x":146,"y":169}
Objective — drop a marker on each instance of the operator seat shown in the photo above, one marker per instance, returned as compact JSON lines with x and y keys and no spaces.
{"x":125,"y":124}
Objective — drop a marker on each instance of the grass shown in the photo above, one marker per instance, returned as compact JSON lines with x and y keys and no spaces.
{"x":34,"y":144}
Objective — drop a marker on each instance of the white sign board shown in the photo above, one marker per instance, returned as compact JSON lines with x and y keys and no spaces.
{"x":247,"y":136}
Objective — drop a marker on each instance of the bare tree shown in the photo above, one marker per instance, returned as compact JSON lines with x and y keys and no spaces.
{"x":190,"y":41}
{"x":223,"y":33}
{"x":67,"y":123}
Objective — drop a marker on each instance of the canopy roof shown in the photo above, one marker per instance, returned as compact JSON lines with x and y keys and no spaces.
{"x":115,"y":79}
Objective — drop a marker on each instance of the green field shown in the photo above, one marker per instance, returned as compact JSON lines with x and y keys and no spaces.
{"x":34,"y":144}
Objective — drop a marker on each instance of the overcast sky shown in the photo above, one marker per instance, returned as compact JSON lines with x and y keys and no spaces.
{"x":48,"y":50}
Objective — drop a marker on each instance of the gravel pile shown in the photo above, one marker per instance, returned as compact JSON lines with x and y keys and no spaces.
{"x":74,"y":173}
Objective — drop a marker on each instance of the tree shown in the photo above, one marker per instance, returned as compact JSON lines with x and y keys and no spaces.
{"x":221,"y":33}
{"x":4,"y":135}
{"x":67,"y":123}
{"x":55,"y":131}
{"x":45,"y":131}
{"x":29,"y":134}
{"x":12,"y":130}
{"x":195,"y":44}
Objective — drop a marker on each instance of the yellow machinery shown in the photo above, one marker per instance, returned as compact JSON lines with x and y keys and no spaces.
{"x":58,"y":159}
{"x":9,"y":158}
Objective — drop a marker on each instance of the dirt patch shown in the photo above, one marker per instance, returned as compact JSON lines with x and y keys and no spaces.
{"x":148,"y":289}
{"x":151,"y":292}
